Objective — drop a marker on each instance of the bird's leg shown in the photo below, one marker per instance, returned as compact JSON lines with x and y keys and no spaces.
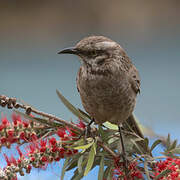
{"x":123,"y":152}
{"x":88,"y":128}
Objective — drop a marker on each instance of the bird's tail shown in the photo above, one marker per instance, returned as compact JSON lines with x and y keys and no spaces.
{"x":131,"y":124}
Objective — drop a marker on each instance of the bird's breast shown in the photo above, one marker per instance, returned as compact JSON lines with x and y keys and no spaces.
{"x":106,"y":97}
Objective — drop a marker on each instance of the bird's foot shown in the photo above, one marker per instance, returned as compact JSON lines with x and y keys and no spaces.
{"x":87,"y":132}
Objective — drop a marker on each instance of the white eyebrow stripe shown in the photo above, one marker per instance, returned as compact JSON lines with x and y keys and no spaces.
{"x":105,"y":44}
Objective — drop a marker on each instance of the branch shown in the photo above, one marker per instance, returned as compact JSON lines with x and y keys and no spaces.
{"x":12,"y":103}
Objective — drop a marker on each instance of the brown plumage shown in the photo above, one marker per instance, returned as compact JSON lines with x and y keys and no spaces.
{"x":107,"y":80}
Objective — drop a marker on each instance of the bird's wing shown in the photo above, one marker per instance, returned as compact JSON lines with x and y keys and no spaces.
{"x":134,"y":79}
{"x":77,"y":78}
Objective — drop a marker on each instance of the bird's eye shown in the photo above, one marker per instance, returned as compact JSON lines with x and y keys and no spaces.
{"x":93,"y":53}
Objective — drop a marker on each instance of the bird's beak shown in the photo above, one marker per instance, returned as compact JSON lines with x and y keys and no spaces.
{"x":71,"y":50}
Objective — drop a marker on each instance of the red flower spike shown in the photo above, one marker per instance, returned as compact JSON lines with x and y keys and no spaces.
{"x":10,"y":132}
{"x":75,"y":151}
{"x":52,"y":141}
{"x":19,"y":152}
{"x":43,"y":143}
{"x":171,"y":164}
{"x":28,"y":169}
{"x":61,"y":150}
{"x":25,"y":124}
{"x":32,"y":158}
{"x":3,"y":140}
{"x":22,"y":136}
{"x":42,"y":149}
{"x":81,"y":124}
{"x":7,"y":160}
{"x":31,"y":148}
{"x":33,"y":137}
{"x":69,"y":152}
{"x":16,"y":119}
{"x":44,"y":159}
{"x":5,"y":121}
{"x":13,"y":160}
{"x":61,"y":132}
{"x":57,"y":159}
{"x":71,"y":133}
{"x":54,"y":149}
{"x":19,"y":161}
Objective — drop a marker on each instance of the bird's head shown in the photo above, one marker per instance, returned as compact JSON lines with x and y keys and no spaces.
{"x":94,"y":49}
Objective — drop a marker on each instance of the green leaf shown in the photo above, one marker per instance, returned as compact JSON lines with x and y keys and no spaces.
{"x":79,"y":142}
{"x":110,"y":175}
{"x":175,"y":151}
{"x":110,"y":126}
{"x":80,"y":164}
{"x":174,"y":144}
{"x":84,"y":146}
{"x":146,"y":142}
{"x":137,"y":146}
{"x":73,"y":162}
{"x":168,"y":142}
{"x":85,"y":114}
{"x":64,"y":168}
{"x":75,"y":111}
{"x":91,"y":157}
{"x":155,"y":144}
{"x":101,"y":169}
{"x":77,"y":175}
{"x":162,"y":174}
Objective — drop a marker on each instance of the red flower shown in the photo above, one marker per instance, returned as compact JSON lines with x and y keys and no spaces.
{"x":22,"y":136}
{"x":52,"y":141}
{"x":32,"y":158}
{"x":5,"y":121}
{"x":10,"y":132}
{"x":71,"y":133}
{"x":3,"y":140}
{"x":28,"y":169}
{"x":33,"y":137}
{"x":137,"y":174}
{"x":171,"y":164}
{"x":13,"y":160}
{"x":75,"y":151}
{"x":81,"y":124}
{"x":19,"y":151}
{"x":54,"y":149}
{"x":7,"y":160}
{"x":16,"y":119}
{"x":25,"y":124}
{"x":57,"y":159}
{"x":42,"y":149}
{"x":19,"y":161}
{"x":69,"y":152}
{"x":31,"y":148}
{"x":43,"y":143}
{"x":61,"y":132}
{"x":44,"y":159}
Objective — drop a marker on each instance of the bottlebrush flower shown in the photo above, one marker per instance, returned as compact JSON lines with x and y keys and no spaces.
{"x":172,"y":164}
{"x":52,"y":141}
{"x":61,"y":132}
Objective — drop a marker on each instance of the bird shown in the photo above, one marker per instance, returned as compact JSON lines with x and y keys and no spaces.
{"x":108,"y":81}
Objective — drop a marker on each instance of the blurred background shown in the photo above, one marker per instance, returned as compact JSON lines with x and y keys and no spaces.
{"x":32,"y":32}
